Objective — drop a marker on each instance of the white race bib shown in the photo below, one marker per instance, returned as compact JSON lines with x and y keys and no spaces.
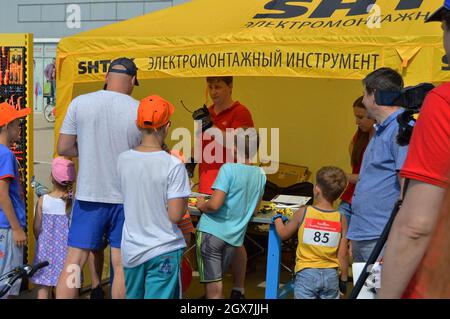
{"x":319,"y":232}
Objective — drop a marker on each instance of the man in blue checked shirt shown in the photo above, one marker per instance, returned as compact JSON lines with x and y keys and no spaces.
{"x":378,"y":187}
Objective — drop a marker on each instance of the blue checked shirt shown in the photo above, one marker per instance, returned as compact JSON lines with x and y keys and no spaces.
{"x":378,"y":187}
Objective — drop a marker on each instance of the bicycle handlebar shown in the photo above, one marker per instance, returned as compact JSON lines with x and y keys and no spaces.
{"x":30,"y":270}
{"x":38,"y":266}
{"x":20,"y":272}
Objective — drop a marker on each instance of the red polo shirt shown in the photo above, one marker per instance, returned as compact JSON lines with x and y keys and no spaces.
{"x":236,"y":116}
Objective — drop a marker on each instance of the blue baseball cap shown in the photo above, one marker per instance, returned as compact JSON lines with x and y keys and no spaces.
{"x":437,"y":16}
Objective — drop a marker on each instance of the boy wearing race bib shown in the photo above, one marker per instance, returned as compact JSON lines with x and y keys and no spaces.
{"x":322,"y":245}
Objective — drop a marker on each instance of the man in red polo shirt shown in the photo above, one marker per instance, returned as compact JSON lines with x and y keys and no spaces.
{"x":416,"y":258}
{"x":225,"y":113}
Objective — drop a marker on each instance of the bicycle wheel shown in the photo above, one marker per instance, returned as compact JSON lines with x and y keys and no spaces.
{"x":48,"y":113}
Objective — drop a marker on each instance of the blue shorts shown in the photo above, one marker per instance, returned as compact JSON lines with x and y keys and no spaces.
{"x":92,"y":222}
{"x":158,"y":278}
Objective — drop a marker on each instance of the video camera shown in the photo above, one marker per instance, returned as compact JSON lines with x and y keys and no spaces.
{"x":411,"y":98}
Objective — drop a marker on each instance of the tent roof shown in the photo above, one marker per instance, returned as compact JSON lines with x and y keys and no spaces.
{"x":212,"y":21}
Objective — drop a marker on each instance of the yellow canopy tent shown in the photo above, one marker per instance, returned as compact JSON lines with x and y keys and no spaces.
{"x":298,"y":63}
{"x":273,"y":47}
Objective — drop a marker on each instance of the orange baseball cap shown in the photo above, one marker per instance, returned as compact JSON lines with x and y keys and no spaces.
{"x":154,"y":112}
{"x":8,"y":113}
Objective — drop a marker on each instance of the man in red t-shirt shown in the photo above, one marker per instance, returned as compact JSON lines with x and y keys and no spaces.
{"x":224,"y":114}
{"x":415,"y":244}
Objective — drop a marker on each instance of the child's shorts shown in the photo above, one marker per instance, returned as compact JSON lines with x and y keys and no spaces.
{"x":92,"y":222}
{"x":213,"y":257}
{"x":316,"y":283}
{"x":11,"y":256}
{"x":157,"y":278}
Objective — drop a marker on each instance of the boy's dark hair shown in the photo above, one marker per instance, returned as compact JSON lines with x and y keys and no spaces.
{"x":227,"y":79}
{"x":446,"y":18}
{"x":332,"y":181}
{"x":249,"y":139}
{"x":385,"y":79}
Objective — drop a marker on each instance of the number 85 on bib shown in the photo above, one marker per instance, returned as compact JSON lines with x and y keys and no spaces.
{"x":319,"y":232}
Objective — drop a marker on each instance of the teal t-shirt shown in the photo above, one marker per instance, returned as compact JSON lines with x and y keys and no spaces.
{"x":244,"y":187}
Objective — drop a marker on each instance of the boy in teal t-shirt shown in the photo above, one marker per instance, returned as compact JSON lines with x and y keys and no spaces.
{"x":238,"y":190}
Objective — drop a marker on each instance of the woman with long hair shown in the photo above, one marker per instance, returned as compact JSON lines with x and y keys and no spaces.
{"x":357,"y":148}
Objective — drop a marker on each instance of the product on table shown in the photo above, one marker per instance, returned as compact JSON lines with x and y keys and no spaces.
{"x":271,"y":208}
{"x":192,"y":201}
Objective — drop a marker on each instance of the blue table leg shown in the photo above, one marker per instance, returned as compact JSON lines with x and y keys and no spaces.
{"x":273,"y":264}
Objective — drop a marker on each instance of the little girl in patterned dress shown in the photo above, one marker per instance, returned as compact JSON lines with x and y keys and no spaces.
{"x":51,"y":226}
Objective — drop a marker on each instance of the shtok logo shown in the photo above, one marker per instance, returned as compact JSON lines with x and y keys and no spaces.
{"x":326,"y":8}
{"x":99,"y":66}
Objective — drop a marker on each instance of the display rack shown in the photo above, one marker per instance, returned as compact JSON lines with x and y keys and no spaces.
{"x":16,"y":88}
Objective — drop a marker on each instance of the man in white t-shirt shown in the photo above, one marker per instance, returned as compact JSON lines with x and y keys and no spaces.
{"x":97,"y":128}
{"x":155,"y":187}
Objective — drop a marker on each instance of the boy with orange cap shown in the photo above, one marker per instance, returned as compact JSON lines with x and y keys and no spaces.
{"x":12,"y":206}
{"x":155,"y":187}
